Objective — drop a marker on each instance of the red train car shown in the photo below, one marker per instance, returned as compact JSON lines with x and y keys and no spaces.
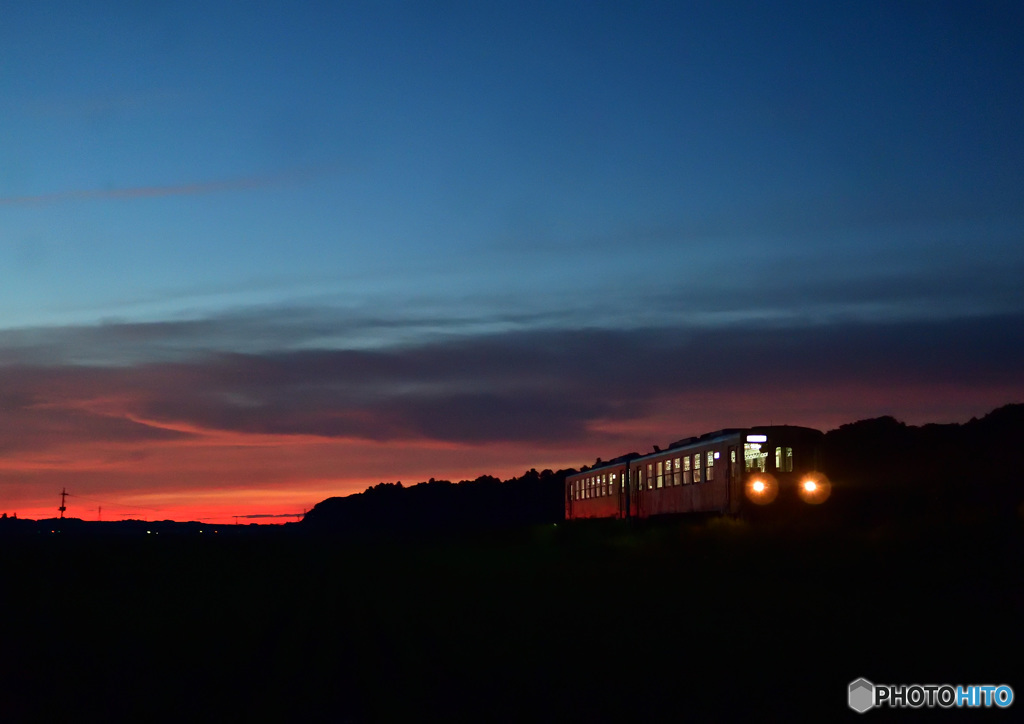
{"x":718,"y":472}
{"x":601,"y":492}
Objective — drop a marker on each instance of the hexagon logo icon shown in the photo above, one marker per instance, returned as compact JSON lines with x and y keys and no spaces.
{"x":862,"y":695}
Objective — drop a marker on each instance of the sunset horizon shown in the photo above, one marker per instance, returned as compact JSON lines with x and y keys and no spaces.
{"x":253,"y":258}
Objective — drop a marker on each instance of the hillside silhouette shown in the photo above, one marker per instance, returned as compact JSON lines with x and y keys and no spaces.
{"x":881,"y":470}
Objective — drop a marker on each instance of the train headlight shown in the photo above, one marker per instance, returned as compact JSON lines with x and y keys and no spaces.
{"x":761,"y":488}
{"x":815,"y":488}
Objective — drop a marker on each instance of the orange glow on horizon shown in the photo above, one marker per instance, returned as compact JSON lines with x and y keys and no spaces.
{"x":216,"y":474}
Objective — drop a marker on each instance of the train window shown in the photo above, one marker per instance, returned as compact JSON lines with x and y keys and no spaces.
{"x":650,"y":476}
{"x":784,"y":459}
{"x":687,"y":475}
{"x":696,"y":468}
{"x":754,"y":458}
{"x":677,"y":473}
{"x":604,"y":484}
{"x":661,"y":474}
{"x":640,"y":478}
{"x":711,"y":467}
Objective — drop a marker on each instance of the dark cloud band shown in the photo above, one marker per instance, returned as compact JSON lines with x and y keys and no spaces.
{"x":530,"y":386}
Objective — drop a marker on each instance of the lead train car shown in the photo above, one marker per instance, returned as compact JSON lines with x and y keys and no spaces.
{"x":717,"y":472}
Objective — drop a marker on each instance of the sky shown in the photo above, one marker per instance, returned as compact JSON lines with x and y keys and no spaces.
{"x":253,"y":255}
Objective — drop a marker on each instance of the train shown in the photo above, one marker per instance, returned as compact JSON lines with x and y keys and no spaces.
{"x":720,"y":472}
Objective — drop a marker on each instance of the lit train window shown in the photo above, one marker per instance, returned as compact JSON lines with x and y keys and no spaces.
{"x":754,"y":458}
{"x":677,"y":473}
{"x":687,"y":475}
{"x":650,"y":476}
{"x":661,"y":473}
{"x":696,"y":468}
{"x":784,"y":459}
{"x":711,"y":466}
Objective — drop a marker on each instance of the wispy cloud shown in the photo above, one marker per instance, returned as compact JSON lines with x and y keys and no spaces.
{"x":141,"y":192}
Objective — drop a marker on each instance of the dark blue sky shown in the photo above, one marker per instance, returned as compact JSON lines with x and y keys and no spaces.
{"x":771,"y":183}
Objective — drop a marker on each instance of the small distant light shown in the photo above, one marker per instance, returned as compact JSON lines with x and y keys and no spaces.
{"x":810,"y":486}
{"x":758,"y":486}
{"x":148,"y":532}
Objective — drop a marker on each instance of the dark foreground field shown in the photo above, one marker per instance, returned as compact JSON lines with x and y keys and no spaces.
{"x":679,"y":620}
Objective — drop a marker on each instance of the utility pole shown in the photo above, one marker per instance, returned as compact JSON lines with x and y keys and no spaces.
{"x":99,"y":513}
{"x":63,"y":494}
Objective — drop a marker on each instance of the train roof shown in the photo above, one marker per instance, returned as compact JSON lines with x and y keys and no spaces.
{"x":728,"y":433}
{"x":689,"y":442}
{"x":613,"y":463}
